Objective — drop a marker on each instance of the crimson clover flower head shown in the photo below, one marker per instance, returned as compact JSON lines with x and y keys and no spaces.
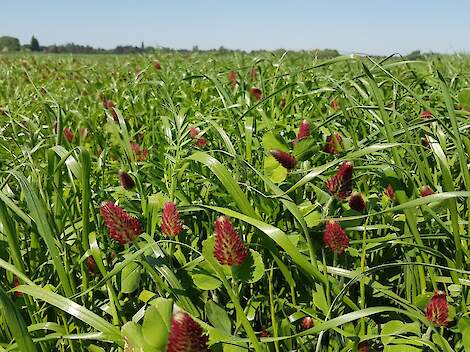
{"x":68,"y":134}
{"x":121,"y":226}
{"x":229,"y":248}
{"x":334,"y":144}
{"x":304,"y":131}
{"x":357,"y":202}
{"x":284,"y":158}
{"x":91,"y":265}
{"x":390,"y":192}
{"x":340,"y":185}
{"x":171,"y":222}
{"x":126,"y":180}
{"x":426,"y":191}
{"x":307,"y":323}
{"x":426,"y":114}
{"x":186,"y":335}
{"x":363,"y":347}
{"x":335,"y":237}
{"x":256,"y":93}
{"x":437,"y":310}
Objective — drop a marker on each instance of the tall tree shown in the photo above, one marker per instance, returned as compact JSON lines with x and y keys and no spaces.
{"x":35,"y":44}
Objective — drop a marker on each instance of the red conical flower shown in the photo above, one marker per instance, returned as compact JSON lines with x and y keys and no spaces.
{"x":109,"y":105}
{"x":425,"y":142}
{"x":68,"y":134}
{"x":340,"y":185}
{"x":201,"y":142}
{"x":229,"y":248}
{"x":157,"y":65}
{"x":357,"y":202}
{"x":186,"y":335}
{"x":232,"y":76}
{"x":426,"y":191}
{"x":304,"y":131}
{"x":253,"y":73}
{"x":194,"y":131}
{"x":16,"y":283}
{"x":122,"y":227}
{"x":256,"y":93}
{"x":307,"y":323}
{"x":437,"y":310}
{"x":171,"y":223}
{"x":334,"y":144}
{"x":139,"y":154}
{"x":285,"y":159}
{"x":390,"y":192}
{"x":335,"y":237}
{"x":335,"y":105}
{"x":126,"y":180}
{"x":426,"y":114}
{"x":363,"y":347}
{"x":91,"y":264}
{"x":83,"y":131}
{"x":264,"y":333}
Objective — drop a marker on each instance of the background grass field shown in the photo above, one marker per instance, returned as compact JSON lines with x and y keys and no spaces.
{"x":374,"y":295}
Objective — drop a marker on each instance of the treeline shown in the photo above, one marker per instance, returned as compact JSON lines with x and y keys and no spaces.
{"x":11,"y":44}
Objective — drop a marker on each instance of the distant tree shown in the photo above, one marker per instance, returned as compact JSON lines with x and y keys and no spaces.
{"x":9,"y":44}
{"x":195,"y":48}
{"x":34,"y":44}
{"x":415,"y":55}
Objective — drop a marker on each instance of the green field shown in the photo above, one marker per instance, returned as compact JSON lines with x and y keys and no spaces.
{"x":316,"y":259}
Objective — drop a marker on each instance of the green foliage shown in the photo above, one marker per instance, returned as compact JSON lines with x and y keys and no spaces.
{"x":9,"y":44}
{"x":204,"y":143}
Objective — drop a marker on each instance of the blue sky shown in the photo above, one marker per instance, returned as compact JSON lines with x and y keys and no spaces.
{"x":364,"y":26}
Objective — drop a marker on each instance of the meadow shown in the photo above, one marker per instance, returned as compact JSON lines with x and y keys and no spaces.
{"x":234,"y":202}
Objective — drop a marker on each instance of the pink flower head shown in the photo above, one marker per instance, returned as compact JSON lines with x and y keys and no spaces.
{"x":91,"y":265}
{"x":201,"y":142}
{"x":357,"y":202}
{"x":171,"y":223}
{"x":340,"y":185}
{"x":110,"y":106}
{"x":186,"y":335}
{"x":157,"y":65}
{"x":307,"y":323}
{"x":437,"y":310}
{"x":232,"y":77}
{"x":334,"y":144}
{"x":390,"y":192}
{"x":122,"y":227}
{"x":68,"y":134}
{"x":304,"y":131}
{"x":229,"y":248}
{"x":256,"y":93}
{"x":363,"y":347}
{"x":426,"y":191}
{"x":426,"y":114}
{"x":335,"y":105}
{"x":285,"y":159}
{"x":253,"y":73}
{"x":335,"y":237}
{"x":139,"y":154}
{"x":83,"y":131}
{"x":194,"y":132}
{"x":16,"y":282}
{"x":126,"y":180}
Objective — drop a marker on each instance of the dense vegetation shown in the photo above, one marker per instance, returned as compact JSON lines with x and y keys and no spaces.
{"x":337,"y":191}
